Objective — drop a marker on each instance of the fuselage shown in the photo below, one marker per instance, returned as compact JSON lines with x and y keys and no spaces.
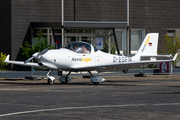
{"x":65,"y":59}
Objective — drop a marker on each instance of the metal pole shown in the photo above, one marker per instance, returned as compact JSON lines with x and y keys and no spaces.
{"x":32,"y":70}
{"x":127,"y":43}
{"x":115,"y":39}
{"x":62,"y":22}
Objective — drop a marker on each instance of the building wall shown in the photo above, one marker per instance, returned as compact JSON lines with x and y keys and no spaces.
{"x":26,"y":11}
{"x":5,"y":26}
{"x":155,"y":15}
{"x":101,"y":10}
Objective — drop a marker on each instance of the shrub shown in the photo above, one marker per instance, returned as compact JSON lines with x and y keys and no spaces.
{"x":171,"y":46}
{"x":3,"y":65}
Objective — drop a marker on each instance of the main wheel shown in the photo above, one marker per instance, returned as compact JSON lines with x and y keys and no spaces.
{"x":64,"y":82}
{"x":50,"y":82}
{"x":96,"y":83}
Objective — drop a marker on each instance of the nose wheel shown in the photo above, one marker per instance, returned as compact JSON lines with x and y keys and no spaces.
{"x":50,"y":79}
{"x":50,"y":82}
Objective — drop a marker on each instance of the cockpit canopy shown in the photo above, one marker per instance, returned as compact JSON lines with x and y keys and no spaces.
{"x":79,"y":47}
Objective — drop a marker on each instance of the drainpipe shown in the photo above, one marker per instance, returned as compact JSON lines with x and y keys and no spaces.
{"x":127,"y":43}
{"x":62,"y":22}
{"x":115,"y":39}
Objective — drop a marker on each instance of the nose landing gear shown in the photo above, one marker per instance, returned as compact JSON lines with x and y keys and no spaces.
{"x":50,"y":79}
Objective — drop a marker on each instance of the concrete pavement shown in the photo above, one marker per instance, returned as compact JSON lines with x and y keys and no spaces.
{"x":119,"y":97}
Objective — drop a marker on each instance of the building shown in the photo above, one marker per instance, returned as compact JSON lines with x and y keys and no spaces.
{"x":85,"y":21}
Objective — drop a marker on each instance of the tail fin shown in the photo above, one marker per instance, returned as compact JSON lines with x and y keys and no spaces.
{"x":149,"y":45}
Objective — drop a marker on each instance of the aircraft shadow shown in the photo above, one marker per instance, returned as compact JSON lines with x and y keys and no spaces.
{"x":68,"y":84}
{"x":174,"y":86}
{"x":122,"y":81}
{"x":14,"y":83}
{"x":166,"y":93}
{"x":13,"y":80}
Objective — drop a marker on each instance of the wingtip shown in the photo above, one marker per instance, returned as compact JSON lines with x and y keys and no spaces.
{"x":7,"y":58}
{"x":175,"y":56}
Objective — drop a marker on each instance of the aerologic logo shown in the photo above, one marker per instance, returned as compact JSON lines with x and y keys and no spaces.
{"x":122,"y":59}
{"x":145,"y":44}
{"x":82,"y":59}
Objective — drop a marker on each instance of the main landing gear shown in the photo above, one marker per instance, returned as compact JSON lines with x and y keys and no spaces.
{"x":65,"y":79}
{"x":96,"y":79}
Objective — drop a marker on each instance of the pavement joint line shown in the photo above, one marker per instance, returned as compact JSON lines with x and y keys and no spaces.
{"x":86,"y":107}
{"x":12,"y":89}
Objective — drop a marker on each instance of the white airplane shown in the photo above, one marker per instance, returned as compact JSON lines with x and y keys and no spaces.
{"x":81,"y":56}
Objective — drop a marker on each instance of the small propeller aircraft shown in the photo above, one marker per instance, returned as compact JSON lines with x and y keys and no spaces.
{"x":81,"y":56}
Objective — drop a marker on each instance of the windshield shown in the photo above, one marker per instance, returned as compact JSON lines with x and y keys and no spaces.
{"x":79,"y":47}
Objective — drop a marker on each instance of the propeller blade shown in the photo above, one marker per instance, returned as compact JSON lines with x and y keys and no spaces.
{"x":29,"y":59}
{"x":44,"y":51}
{"x":36,"y":55}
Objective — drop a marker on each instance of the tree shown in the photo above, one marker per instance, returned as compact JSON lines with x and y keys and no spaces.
{"x":41,"y":44}
{"x":171,"y":45}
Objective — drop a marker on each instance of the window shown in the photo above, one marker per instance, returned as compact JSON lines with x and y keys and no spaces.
{"x":79,"y":47}
{"x":137,"y":37}
{"x":173,"y":32}
{"x":46,"y":33}
{"x":121,"y":40}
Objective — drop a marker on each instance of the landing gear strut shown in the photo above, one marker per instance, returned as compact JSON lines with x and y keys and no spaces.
{"x":90,"y":73}
{"x":67,"y":76}
{"x":65,"y":79}
{"x":50,"y":79}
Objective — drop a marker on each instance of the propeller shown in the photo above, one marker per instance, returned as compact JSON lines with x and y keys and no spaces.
{"x":37,"y":55}
{"x":44,"y":51}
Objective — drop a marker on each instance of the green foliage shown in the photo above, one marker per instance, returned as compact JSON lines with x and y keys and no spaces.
{"x":3,"y":65}
{"x":41,"y":44}
{"x":171,"y":46}
{"x":150,"y":66}
{"x":106,"y":46}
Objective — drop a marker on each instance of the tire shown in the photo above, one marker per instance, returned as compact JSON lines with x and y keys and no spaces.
{"x":64,"y":82}
{"x":96,"y":83}
{"x":50,"y":82}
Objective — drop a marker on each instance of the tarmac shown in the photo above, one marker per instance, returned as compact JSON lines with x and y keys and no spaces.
{"x":123,"y":97}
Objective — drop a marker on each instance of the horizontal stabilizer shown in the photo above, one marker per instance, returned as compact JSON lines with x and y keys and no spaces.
{"x":157,"y":56}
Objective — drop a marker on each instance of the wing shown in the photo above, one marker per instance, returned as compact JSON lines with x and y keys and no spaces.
{"x":21,"y":63}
